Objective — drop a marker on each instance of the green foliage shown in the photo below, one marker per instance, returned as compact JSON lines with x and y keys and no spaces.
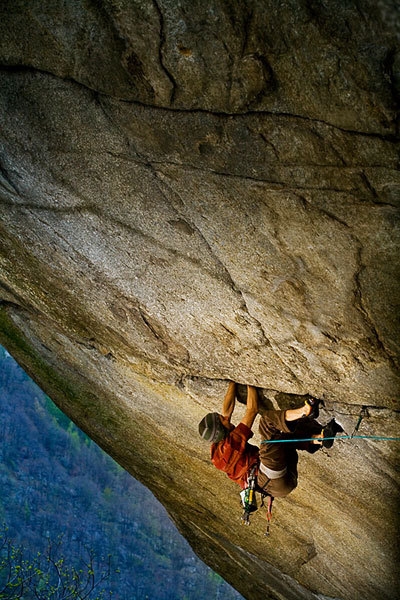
{"x":108,"y":493}
{"x":54,"y":479}
{"x":61,"y":419}
{"x":47,"y":576}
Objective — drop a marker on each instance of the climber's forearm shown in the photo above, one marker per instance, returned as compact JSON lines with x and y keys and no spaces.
{"x":229,"y":401}
{"x":252,"y":406}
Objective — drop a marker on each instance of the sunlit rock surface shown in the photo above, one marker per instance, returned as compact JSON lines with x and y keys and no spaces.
{"x":193,"y":192}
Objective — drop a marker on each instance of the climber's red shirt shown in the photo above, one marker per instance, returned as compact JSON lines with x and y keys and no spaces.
{"x":234,"y":455}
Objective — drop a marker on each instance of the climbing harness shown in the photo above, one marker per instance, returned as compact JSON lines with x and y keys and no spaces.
{"x":249,"y":500}
{"x":248,"y":496}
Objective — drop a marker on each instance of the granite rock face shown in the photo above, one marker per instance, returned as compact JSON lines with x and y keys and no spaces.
{"x":193,"y":192}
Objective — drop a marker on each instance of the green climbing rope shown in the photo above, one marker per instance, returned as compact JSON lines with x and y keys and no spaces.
{"x":337,"y":437}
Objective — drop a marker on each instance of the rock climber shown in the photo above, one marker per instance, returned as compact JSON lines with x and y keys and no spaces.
{"x":276,"y":463}
{"x":230,"y":450}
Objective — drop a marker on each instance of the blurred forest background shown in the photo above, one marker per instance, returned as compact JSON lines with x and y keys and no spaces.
{"x":54,"y":481}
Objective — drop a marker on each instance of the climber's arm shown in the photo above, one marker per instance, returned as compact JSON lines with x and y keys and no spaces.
{"x":229,"y":401}
{"x":251,"y":406}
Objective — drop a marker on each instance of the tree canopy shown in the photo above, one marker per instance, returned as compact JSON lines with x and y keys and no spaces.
{"x":54,"y":481}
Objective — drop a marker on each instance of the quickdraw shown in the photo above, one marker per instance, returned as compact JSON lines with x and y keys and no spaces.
{"x":249,"y":500}
{"x":364,"y":413}
{"x":248,"y":496}
{"x":269,"y":511}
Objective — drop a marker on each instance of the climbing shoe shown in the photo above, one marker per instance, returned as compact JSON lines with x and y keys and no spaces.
{"x":330,"y":430}
{"x":315,"y":404}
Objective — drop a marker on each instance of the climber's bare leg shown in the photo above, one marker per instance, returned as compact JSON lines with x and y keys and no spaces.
{"x":292,"y":414}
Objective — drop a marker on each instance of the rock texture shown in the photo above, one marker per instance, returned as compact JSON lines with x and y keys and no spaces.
{"x":193,"y":192}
